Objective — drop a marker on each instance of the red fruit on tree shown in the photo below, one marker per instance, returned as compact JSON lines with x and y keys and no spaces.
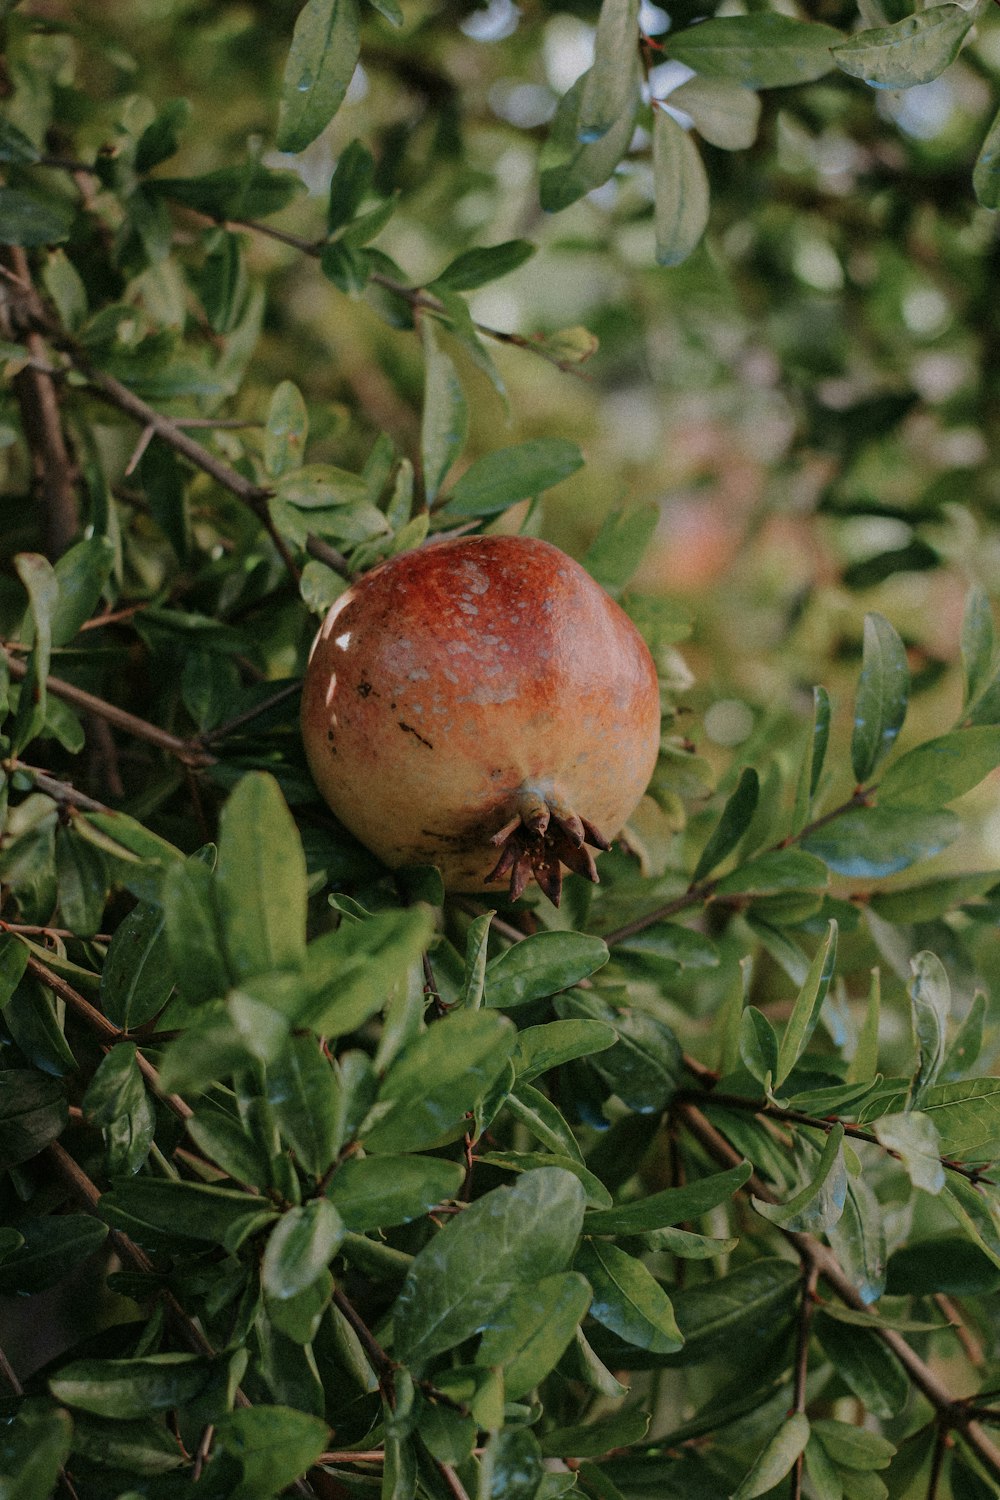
{"x":481,"y":705}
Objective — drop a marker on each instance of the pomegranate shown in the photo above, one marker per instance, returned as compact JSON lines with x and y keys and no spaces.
{"x":482,"y":705}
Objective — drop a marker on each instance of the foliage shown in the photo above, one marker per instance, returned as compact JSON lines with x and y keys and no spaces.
{"x":316,"y":1180}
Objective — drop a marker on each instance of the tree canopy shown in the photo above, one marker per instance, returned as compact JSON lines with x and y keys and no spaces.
{"x":317,"y":1179}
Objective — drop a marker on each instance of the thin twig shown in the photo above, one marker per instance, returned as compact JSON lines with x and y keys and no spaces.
{"x":222,"y":730}
{"x":807,"y":1301}
{"x":60,"y":791}
{"x":383,"y":1368}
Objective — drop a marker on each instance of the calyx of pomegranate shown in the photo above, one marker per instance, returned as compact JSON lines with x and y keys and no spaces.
{"x":541,"y":837}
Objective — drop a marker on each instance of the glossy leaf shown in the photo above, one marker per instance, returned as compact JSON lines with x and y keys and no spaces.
{"x":777,"y":1458}
{"x":930,"y":997}
{"x":620,"y":545}
{"x":51,"y":1248}
{"x":681,"y":188}
{"x":978,"y":641}
{"x":724,"y":114}
{"x":451,"y":1292}
{"x":324,"y":53}
{"x":541,"y":1048}
{"x":286,"y":430}
{"x":352,"y":179}
{"x":778,"y":870}
{"x":138,"y":975}
{"x":628,"y":1299}
{"x":941,"y":769}
{"x":571,"y":167}
{"x":476,"y":268}
{"x":529,"y":1335}
{"x":274,"y":1446}
{"x":261,"y":880}
{"x":808,"y":1003}
{"x":81,"y":574}
{"x":131,"y":1387}
{"x":872,"y":842}
{"x":672,"y":1206}
{"x":986,"y":172}
{"x":351,"y":973}
{"x":27,"y":220}
{"x":445,"y":419}
{"x":194,"y":932}
{"x":882,"y":696}
{"x":376,"y":1192}
{"x":542,"y":965}
{"x":606,"y":87}
{"x":819,"y":1205}
{"x":911,"y":51}
{"x":758,"y":1043}
{"x":33,"y":1112}
{"x":300,"y":1247}
{"x":913,"y":1138}
{"x":191,"y":1210}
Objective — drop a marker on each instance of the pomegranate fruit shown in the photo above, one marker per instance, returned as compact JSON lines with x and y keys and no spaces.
{"x":482,"y":705}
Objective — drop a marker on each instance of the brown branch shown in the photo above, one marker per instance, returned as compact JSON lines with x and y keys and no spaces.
{"x":60,"y":791}
{"x":383,"y":1368}
{"x":807,"y":1301}
{"x":187,"y":751}
{"x":38,"y":401}
{"x":813,"y":1253}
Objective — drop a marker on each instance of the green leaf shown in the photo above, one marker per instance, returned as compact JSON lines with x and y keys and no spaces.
{"x":227,"y":1142}
{"x":681,"y":188}
{"x":131,"y":1387}
{"x":762,"y":51}
{"x":677,"y":944}
{"x":33,"y":1112}
{"x":15,"y":146}
{"x":777,"y":1458}
{"x":325,"y":46}
{"x":644,"y":1066}
{"x":27,"y":220}
{"x":724,"y":114}
{"x":116,"y":1100}
{"x":317,"y":486}
{"x":377,"y":1192}
{"x":544,"y":1120}
{"x":967,"y":1044}
{"x":930,"y":996}
{"x":286,"y":430}
{"x":594,"y":1439}
{"x":13,"y":962}
{"x":528,"y":1336}
{"x":143,"y":1448}
{"x":81,"y":574}
{"x":445,"y":419}
{"x":139,"y":858}
{"x":851,"y":1447}
{"x":261,"y":880}
{"x":931,"y":898}
{"x":986,"y":172}
{"x":138,"y":975}
{"x":502,"y":478}
{"x":52,"y":1247}
{"x":882,"y":695}
{"x":913,"y":1138}
{"x":274,"y":1446}
{"x":941,"y":769}
{"x":466,"y":1274}
{"x":302,"y":1089}
{"x":571,"y":167}
{"x":966,"y":1115}
{"x":607,"y":85}
{"x":864,"y":1063}
{"x":477,"y":943}
{"x":512,"y":1466}
{"x":620,"y":545}
{"x":672,"y":1206}
{"x":758,"y":1045}
{"x":809,"y":1002}
{"x":628,"y":1299}
{"x":249,"y":191}
{"x":820,"y":1204}
{"x":189,"y":1210}
{"x":33,"y":1447}
{"x":486,"y":263}
{"x":542,"y":965}
{"x":39,"y":579}
{"x":437,"y":1081}
{"x":350,"y":974}
{"x":858,"y":1240}
{"x":978,"y":643}
{"x":977,"y":1210}
{"x":350,"y":184}
{"x":778,"y":870}
{"x":871,"y":842}
{"x":812,"y":761}
{"x":733,"y":823}
{"x":911,"y":51}
{"x":194,"y":932}
{"x":541,"y":1048}
{"x":715,"y":1317}
{"x":300,"y":1247}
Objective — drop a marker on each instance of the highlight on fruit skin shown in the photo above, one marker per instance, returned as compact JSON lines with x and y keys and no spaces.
{"x":482,"y":705}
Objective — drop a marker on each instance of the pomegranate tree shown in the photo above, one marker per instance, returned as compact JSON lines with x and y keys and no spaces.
{"x":482,"y":705}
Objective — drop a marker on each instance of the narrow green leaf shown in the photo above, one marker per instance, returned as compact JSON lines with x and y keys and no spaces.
{"x":570,"y":167}
{"x":725,"y":1313}
{"x":300,"y":1247}
{"x":138,"y":974}
{"x":777,"y":1458}
{"x":732,"y":824}
{"x":325,"y":46}
{"x":80,"y":574}
{"x":528,"y":1336}
{"x":672,"y":1206}
{"x":486,"y":263}
{"x":451,"y":1290}
{"x":758,"y":1045}
{"x":353,"y":972}
{"x":851,"y":1447}
{"x":606,"y":85}
{"x":681,"y":188}
{"x":274,"y":1446}
{"x":820,"y":1204}
{"x":33,"y":1112}
{"x":477,"y":942}
{"x":911,"y":51}
{"x":882,"y":695}
{"x":858,"y":1240}
{"x":986,"y":172}
{"x":131,"y":1387}
{"x":628,"y":1299}
{"x":190,"y":1210}
{"x":978,"y":1211}
{"x":39,"y":579}
{"x":351,"y":181}
{"x":286,"y":430}
{"x":808,"y":1004}
{"x":777,"y":870}
{"x":445,"y":419}
{"x":864,"y":1063}
{"x":761,"y":51}
{"x":543,"y":1120}
{"x":52,"y":1247}
{"x":13,"y":962}
{"x":378,"y":1192}
{"x":543,"y":964}
{"x":620,"y":545}
{"x":502,"y":478}
{"x":541,"y":1048}
{"x":930,"y":997}
{"x":194,"y":932}
{"x":621,"y":1429}
{"x":941,"y":769}
{"x":965,"y":1049}
{"x":261,"y":880}
{"x":978,"y":643}
{"x":812,"y":762}
{"x":871,"y":842}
